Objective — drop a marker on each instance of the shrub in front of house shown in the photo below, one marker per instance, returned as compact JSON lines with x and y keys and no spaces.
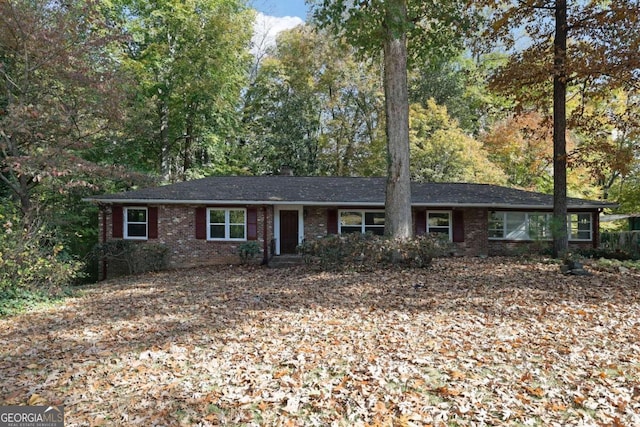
{"x":130,"y":257}
{"x":369,"y":251}
{"x":248,"y":251}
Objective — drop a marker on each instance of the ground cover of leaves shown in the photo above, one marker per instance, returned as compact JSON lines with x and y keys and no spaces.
{"x":468,"y":342}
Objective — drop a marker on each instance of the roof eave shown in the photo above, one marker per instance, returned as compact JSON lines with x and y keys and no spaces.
{"x":335,"y":203}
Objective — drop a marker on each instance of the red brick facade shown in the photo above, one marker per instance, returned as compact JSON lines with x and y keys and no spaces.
{"x":176,"y":229}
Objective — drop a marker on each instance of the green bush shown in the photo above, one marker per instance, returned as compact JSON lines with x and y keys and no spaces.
{"x":136,"y":257}
{"x":248,"y":251}
{"x":368,"y":251}
{"x":33,"y":261}
{"x":606,"y":253}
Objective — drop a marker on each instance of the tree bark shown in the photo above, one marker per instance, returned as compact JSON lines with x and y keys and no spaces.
{"x":560,"y":235}
{"x":398,"y":191}
{"x":165,"y":143}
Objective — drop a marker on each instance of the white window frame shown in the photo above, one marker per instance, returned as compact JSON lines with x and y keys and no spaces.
{"x":362,"y":212}
{"x":125,"y":222}
{"x":227,"y":225}
{"x":570,"y":222}
{"x":449,"y":227}
{"x":547,"y":232}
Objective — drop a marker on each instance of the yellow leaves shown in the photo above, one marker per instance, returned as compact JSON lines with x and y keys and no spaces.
{"x":36,"y":400}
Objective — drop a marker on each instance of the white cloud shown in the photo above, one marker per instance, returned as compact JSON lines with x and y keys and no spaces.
{"x":266,"y":29}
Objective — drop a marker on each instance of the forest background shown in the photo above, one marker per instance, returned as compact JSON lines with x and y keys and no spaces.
{"x":110,"y":95}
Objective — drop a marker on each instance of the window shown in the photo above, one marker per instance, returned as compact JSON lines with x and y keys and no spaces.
{"x":496,"y":225}
{"x":519,"y":225}
{"x":579,"y":225}
{"x":227,"y":224}
{"x":136,"y":223}
{"x":361,"y":222}
{"x":439,"y":222}
{"x":540,"y":226}
{"x":535,"y":226}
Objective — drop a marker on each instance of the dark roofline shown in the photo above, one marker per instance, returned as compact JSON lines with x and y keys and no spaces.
{"x":336,"y":191}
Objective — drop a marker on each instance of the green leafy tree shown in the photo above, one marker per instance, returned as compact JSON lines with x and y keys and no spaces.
{"x":460,"y":84}
{"x":390,"y":27}
{"x":314,"y":107}
{"x":442,"y":152}
{"x":190,"y":60}
{"x":282,"y":118}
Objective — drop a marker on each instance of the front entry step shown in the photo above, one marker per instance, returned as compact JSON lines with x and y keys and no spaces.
{"x":284,"y":261}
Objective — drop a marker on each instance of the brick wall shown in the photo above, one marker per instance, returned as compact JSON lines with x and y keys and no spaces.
{"x":315,"y":222}
{"x":514,"y":248}
{"x":476,"y":233}
{"x":176,"y":230}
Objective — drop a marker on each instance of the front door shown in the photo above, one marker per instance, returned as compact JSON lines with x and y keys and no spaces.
{"x":288,"y":232}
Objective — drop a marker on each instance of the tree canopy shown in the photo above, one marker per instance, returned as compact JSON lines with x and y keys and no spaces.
{"x":105,"y":96}
{"x":584,"y":49}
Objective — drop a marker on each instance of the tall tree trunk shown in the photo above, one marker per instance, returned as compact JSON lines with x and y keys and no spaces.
{"x":188,"y":142}
{"x":560,"y":236}
{"x":398,"y":192}
{"x":165,"y":143}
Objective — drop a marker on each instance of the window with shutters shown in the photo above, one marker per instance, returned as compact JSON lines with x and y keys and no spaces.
{"x":439,"y":222}
{"x":136,"y":224}
{"x":227,"y":224}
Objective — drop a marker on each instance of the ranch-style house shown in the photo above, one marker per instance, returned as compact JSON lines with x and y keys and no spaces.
{"x":204,"y":221}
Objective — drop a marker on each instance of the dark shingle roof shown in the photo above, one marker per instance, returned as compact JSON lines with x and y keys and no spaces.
{"x":334,"y":191}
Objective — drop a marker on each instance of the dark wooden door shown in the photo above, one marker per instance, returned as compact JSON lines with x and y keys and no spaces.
{"x":288,"y":232}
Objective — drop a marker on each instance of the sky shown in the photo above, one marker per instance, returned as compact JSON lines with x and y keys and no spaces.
{"x":281,"y":8}
{"x":275,"y":16}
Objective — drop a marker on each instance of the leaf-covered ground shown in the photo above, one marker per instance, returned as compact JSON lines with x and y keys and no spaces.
{"x":469,"y":342}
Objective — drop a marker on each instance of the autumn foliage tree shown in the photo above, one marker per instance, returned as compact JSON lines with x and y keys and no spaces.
{"x":588,"y":47}
{"x":58,"y":93}
{"x":522,"y":147}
